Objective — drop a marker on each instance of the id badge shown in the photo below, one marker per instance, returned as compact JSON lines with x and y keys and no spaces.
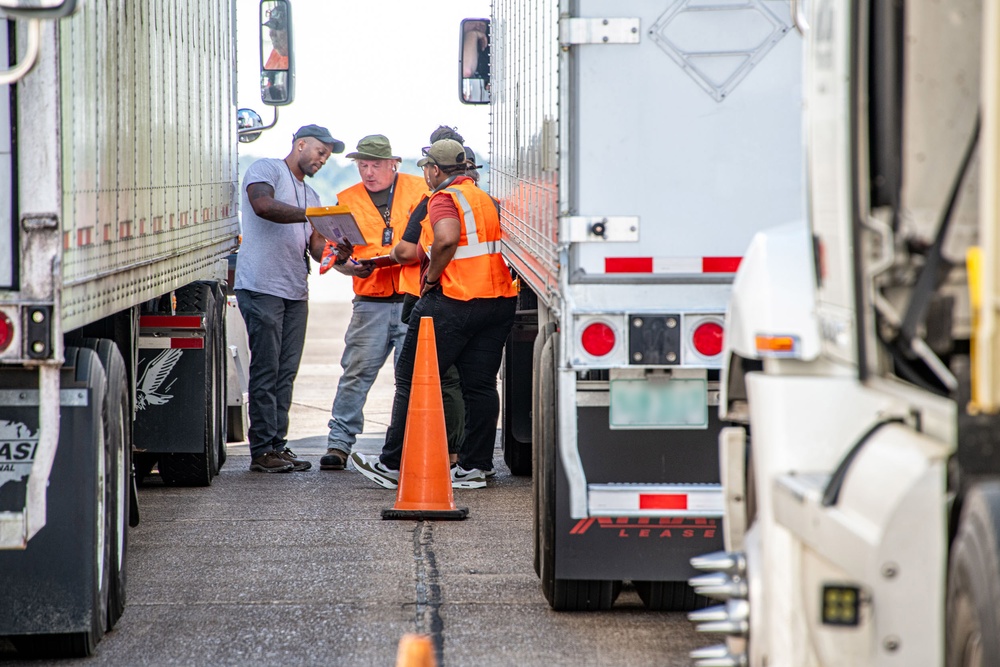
{"x":387,"y":236}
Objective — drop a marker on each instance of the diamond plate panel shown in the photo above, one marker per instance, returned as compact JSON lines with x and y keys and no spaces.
{"x":718,"y":43}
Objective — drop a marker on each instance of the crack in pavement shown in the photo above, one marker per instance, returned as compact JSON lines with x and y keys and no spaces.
{"x":428,"y":588}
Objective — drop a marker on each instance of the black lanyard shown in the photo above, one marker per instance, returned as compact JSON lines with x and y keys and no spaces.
{"x":305,"y":195}
{"x":387,"y":215}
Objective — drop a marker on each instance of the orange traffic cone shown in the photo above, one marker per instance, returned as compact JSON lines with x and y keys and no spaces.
{"x":415,"y":651}
{"x":424,"y":473}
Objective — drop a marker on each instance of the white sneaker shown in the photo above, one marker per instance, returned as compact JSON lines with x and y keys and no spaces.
{"x":467,"y":479}
{"x":369,"y":466}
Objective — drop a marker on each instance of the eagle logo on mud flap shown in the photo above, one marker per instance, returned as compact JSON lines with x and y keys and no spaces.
{"x":153,"y":376}
{"x":17,"y":454}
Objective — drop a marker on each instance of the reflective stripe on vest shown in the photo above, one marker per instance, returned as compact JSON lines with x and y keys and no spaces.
{"x":475,"y":247}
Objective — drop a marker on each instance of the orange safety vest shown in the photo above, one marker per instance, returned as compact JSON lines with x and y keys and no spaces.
{"x":478,"y":270}
{"x":385,"y":281}
{"x":409,"y":274}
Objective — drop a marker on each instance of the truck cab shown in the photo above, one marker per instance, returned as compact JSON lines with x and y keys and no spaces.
{"x":860,"y":364}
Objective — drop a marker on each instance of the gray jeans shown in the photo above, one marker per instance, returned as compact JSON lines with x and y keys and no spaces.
{"x":375,"y":331}
{"x":277,"y":331}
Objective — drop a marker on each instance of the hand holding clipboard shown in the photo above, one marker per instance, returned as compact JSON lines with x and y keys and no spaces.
{"x":336,"y":224}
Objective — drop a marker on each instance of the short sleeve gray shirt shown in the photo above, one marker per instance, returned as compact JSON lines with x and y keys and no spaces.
{"x":273,"y":257}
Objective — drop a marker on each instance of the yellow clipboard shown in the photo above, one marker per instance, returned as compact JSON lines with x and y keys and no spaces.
{"x":336,"y":223}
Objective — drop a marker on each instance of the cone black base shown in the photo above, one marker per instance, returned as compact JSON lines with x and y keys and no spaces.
{"x":456,"y":514}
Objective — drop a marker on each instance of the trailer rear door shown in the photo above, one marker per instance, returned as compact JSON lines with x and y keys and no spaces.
{"x":693,"y":132}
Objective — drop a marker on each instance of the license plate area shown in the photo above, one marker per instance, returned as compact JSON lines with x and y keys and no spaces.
{"x":674,"y":403}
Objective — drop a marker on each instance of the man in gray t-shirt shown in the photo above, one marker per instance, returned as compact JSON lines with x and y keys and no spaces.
{"x":271,"y":288}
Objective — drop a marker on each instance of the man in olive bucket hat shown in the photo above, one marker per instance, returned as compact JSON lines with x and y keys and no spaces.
{"x":381,"y":204}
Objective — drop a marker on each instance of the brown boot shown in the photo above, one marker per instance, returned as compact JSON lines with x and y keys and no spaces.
{"x":298,"y":465}
{"x":270,"y":462}
{"x":334,"y":459}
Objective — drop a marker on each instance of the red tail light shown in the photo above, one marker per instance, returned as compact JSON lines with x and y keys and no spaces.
{"x":598,"y":339}
{"x":707,"y":339}
{"x":6,"y":332}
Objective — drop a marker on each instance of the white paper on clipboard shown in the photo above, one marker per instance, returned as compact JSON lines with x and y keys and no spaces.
{"x":336,"y":223}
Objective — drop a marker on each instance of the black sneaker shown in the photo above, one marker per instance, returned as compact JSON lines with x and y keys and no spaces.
{"x":270,"y":462}
{"x":334,"y":459}
{"x":298,"y":465}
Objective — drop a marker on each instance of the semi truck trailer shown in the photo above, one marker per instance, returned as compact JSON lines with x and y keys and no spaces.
{"x":635,"y":150}
{"x":118,"y":150}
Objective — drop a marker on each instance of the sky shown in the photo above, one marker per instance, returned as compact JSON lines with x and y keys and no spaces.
{"x":366,"y":67}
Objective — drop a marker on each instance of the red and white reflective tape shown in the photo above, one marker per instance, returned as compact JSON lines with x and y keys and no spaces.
{"x":172,"y":331}
{"x":162,"y":343}
{"x":671,"y":264}
{"x":704,"y":500}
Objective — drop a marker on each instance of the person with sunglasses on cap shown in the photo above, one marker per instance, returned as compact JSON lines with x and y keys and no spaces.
{"x":272,"y":290}
{"x":468,"y":291}
{"x":380,"y":204}
{"x":409,"y":282}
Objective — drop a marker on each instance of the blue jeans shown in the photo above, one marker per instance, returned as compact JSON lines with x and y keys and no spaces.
{"x":276,"y":329}
{"x":470,"y":335}
{"x":376,"y":328}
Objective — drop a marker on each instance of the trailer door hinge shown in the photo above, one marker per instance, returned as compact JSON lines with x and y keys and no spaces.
{"x":574,"y":31}
{"x":584,"y":228}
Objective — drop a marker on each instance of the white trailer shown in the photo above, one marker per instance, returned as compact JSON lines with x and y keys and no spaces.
{"x":636,"y":148}
{"x":118,"y":148}
{"x":863,"y":475}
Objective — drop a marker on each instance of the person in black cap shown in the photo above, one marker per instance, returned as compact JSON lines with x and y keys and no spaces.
{"x":467,"y":289}
{"x":271,"y":286}
{"x":451,"y":382}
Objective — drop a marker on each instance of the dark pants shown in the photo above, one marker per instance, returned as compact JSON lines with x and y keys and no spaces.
{"x":470,"y":335}
{"x":451,"y":393}
{"x":277,"y":331}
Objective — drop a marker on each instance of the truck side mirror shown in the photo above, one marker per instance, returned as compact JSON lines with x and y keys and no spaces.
{"x":277,"y":70}
{"x":474,"y":62}
{"x":246,"y":120}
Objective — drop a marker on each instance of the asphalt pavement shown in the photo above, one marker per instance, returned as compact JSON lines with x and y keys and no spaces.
{"x":299,"y":568}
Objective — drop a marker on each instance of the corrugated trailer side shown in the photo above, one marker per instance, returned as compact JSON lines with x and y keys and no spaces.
{"x":122,"y":205}
{"x":148,"y":152}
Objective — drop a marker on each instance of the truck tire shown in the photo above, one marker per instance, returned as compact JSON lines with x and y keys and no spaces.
{"x":118,"y":438}
{"x":973,"y":602}
{"x":83,"y":644}
{"x":186,"y":469}
{"x":536,"y":425}
{"x":561,"y":594}
{"x":669,"y":596}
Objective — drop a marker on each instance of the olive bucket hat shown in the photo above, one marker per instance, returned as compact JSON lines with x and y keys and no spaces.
{"x":374,"y":147}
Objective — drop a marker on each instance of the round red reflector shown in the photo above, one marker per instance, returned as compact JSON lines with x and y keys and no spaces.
{"x":598,"y":339}
{"x":707,"y":339}
{"x":6,"y":332}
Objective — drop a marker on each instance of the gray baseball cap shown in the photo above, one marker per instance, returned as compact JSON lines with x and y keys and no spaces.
{"x":444,"y":153}
{"x":321,"y":133}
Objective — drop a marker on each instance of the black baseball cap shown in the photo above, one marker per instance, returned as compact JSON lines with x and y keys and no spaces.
{"x":321,"y":133}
